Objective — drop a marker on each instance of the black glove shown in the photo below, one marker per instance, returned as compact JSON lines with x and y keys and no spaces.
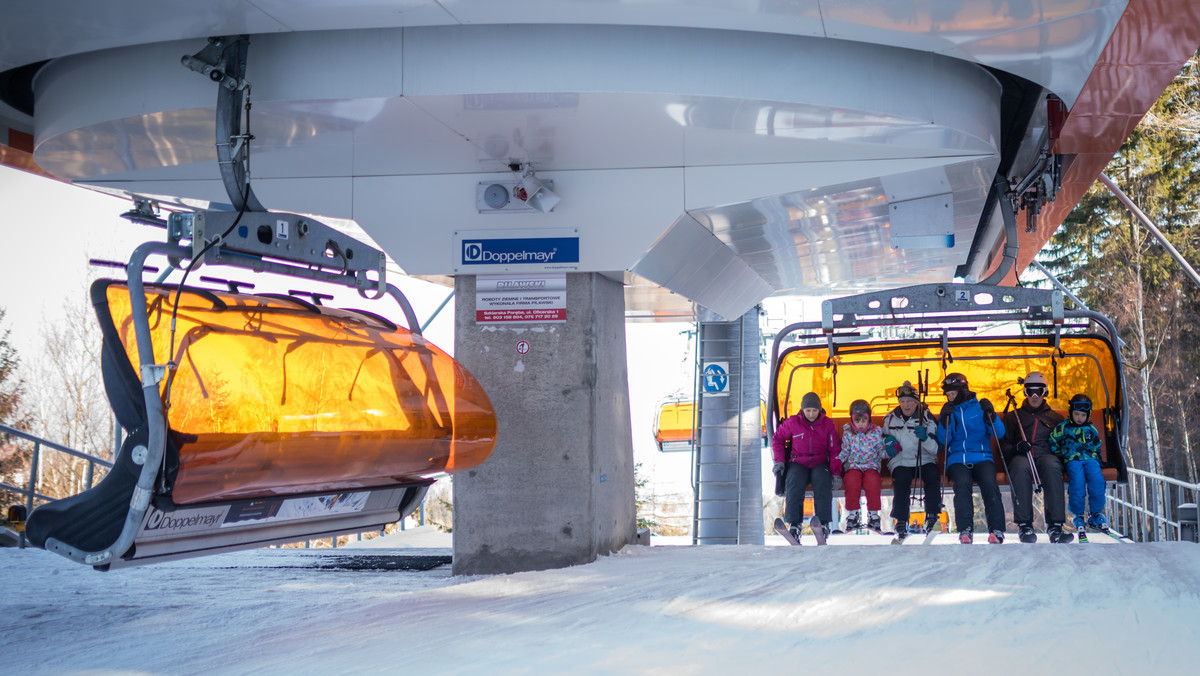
{"x":989,"y":411}
{"x":777,"y":469}
{"x":1024,"y":446}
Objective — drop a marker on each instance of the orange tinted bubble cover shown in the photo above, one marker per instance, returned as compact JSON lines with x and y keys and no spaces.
{"x":873,"y":370}
{"x":270,"y":397}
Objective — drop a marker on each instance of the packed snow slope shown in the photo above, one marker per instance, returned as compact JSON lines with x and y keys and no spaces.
{"x":1098,"y":608}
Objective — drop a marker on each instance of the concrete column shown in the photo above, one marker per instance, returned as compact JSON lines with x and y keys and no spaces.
{"x":558,"y":490}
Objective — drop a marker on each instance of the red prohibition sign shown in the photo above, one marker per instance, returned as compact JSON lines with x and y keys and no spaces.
{"x":522,"y":347}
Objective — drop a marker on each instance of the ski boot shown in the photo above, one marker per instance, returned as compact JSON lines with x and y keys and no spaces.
{"x":854,"y":520}
{"x":1096,"y":520}
{"x":1057,"y":535}
{"x":874,"y":523}
{"x":996,"y":537}
{"x":931,"y":519}
{"x":1079,"y":523}
{"x":1025,"y":533}
{"x":966,"y":537}
{"x":795,"y":531}
{"x":901,"y":530}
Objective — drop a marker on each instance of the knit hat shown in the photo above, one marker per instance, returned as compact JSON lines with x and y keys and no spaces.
{"x":810,"y":400}
{"x":907,"y":391}
{"x":860,"y":407}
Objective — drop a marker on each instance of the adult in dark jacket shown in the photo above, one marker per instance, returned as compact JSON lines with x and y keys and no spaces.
{"x":815,"y":443}
{"x":1028,"y":429}
{"x":964,"y":425}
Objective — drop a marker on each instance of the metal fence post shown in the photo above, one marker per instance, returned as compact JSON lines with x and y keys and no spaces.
{"x":1189,"y":523}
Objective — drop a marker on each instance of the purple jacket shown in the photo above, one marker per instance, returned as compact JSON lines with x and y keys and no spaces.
{"x":813,"y":443}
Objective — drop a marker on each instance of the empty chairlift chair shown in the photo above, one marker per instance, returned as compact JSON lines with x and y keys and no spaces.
{"x":284,"y":421}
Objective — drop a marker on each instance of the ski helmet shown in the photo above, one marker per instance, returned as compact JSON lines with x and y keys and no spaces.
{"x":1081,"y":402}
{"x":907,"y":391}
{"x":860,"y":407}
{"x":954,"y":381}
{"x":1035,"y":384}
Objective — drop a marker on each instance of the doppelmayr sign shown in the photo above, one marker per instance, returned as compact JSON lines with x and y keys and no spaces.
{"x":489,"y":251}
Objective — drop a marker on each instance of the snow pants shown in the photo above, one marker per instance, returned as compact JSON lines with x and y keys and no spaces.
{"x":857,"y":481}
{"x":1084,"y":476}
{"x":964,"y":478}
{"x":797,"y":479}
{"x":902,"y":478}
{"x":1020,"y":479}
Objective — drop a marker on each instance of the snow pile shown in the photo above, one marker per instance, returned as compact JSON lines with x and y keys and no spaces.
{"x":1080,"y":608}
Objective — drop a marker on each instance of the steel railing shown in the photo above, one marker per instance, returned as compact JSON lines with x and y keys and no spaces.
{"x":30,"y":490}
{"x":1147,"y":509}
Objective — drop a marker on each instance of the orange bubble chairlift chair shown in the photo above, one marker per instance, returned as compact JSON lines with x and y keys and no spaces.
{"x":285,"y":421}
{"x":1028,"y":330}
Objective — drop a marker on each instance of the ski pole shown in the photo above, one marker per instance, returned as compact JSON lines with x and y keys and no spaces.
{"x":1029,"y":454}
{"x":1003,"y":459}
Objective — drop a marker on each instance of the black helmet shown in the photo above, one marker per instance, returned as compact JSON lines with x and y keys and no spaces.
{"x":1081,"y":402}
{"x":860,"y":407}
{"x":954,"y":381}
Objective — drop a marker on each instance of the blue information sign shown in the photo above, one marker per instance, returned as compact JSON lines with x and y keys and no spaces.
{"x":518,"y":253}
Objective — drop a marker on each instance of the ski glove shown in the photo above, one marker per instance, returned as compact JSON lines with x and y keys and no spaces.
{"x":921,"y":432}
{"x":1024,"y":446}
{"x":837,"y":483}
{"x":777,"y":469}
{"x":989,"y":411}
{"x":891,"y":446}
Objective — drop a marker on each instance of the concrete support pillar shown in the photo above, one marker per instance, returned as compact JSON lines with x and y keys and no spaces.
{"x":558,"y":490}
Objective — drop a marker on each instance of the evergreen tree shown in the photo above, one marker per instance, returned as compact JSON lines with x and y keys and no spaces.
{"x":1106,"y":257}
{"x":14,"y":456}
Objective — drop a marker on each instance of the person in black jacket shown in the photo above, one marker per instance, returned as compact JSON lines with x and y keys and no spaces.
{"x":1027,"y":432}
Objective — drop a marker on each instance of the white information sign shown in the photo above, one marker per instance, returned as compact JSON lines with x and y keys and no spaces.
{"x":504,"y":299}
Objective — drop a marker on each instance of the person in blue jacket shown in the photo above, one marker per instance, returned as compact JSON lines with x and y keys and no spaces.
{"x":964,"y":425}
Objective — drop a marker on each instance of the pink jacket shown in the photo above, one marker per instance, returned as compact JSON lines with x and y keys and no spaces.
{"x":813,"y":443}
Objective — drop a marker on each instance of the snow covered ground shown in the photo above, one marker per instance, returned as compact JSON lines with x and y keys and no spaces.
{"x":1098,"y":608}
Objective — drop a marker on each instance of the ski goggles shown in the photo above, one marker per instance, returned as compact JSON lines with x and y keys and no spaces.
{"x":1085,"y":406}
{"x":1035,"y":390}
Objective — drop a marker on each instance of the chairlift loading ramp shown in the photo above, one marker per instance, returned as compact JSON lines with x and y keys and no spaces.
{"x":1074,"y":348}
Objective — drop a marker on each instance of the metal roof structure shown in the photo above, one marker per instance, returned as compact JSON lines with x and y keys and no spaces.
{"x":717,"y":152}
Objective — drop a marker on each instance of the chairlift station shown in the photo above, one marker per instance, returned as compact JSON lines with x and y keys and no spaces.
{"x":680,"y":160}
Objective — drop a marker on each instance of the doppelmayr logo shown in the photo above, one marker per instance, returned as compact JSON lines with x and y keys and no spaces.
{"x":536,"y":251}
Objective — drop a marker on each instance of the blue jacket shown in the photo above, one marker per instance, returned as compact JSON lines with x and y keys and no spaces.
{"x":1075,"y":442}
{"x":962,"y":429}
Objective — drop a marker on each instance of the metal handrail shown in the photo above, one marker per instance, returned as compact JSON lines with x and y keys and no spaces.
{"x":30,"y":492}
{"x":1130,"y":508}
{"x":12,"y":431}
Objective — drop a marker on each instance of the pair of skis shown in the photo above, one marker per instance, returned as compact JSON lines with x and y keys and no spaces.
{"x":1106,"y":530}
{"x":814,"y":523}
{"x":929,"y":535}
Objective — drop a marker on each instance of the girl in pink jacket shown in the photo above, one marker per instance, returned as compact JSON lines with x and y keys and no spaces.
{"x":863,"y":450}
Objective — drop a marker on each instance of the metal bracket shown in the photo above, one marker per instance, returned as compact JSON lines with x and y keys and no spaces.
{"x":216,"y":61}
{"x":936,"y":303}
{"x":154,"y":373}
